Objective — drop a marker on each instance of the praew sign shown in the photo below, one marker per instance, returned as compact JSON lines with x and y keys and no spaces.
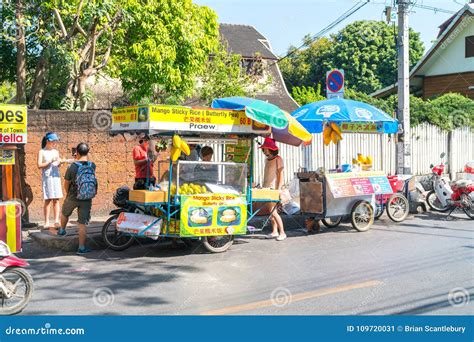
{"x":185,"y":119}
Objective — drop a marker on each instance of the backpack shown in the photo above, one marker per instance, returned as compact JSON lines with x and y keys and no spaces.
{"x":86,"y":183}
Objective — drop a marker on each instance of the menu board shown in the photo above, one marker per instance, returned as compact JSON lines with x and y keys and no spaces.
{"x":238,"y":153}
{"x":349,"y":184}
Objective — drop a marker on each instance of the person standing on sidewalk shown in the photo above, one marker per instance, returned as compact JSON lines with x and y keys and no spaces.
{"x":49,"y":162}
{"x":273,"y":179}
{"x":80,"y":184}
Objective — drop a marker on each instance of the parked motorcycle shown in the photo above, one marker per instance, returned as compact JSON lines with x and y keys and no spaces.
{"x":16,"y":285}
{"x":450,"y":196}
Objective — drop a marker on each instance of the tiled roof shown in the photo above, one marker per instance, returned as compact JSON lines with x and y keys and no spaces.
{"x":246,"y":41}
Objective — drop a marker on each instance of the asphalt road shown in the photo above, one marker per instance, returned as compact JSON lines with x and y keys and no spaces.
{"x":421,"y":266}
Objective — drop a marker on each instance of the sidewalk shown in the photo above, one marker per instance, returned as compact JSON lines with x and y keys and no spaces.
{"x":70,"y":242}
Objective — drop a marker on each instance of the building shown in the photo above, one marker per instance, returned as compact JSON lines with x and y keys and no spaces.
{"x":448,"y":67}
{"x":257,"y":54}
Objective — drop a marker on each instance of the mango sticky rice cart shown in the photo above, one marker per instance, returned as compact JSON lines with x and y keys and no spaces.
{"x":331,"y":196}
{"x":208,"y":201}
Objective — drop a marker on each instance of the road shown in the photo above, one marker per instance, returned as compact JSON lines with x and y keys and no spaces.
{"x":421,"y":266}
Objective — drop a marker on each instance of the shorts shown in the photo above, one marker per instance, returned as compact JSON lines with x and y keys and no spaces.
{"x":140,"y":183}
{"x":83,"y":209}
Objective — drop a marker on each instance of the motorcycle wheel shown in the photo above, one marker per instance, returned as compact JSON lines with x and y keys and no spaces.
{"x":469,"y":206}
{"x":397,"y":207}
{"x":434,"y":203}
{"x":114,"y":239}
{"x":15,"y":279}
{"x":218,"y":244}
{"x":332,"y":222}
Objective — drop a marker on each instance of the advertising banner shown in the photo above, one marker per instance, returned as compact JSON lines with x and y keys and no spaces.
{"x":213,"y":214}
{"x":348,"y":184}
{"x":189,"y":119}
{"x":13,"y":122}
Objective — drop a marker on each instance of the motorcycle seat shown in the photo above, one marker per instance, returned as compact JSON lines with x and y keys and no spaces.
{"x":463,"y":183}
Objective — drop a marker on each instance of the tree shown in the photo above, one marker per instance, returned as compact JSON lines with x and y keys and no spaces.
{"x":304,"y":95}
{"x":366,"y":50}
{"x":164,"y":48}
{"x":224,"y":76}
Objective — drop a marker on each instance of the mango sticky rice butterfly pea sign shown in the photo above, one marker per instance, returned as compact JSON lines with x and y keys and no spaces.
{"x":185,"y":119}
{"x":13,"y":124}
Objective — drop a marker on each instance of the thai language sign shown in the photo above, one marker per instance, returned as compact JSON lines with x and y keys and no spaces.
{"x":348,"y":184}
{"x":179,"y":118}
{"x":212,"y":215}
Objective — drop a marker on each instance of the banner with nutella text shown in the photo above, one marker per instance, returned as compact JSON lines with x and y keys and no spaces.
{"x":13,"y":122}
{"x":165,"y":118}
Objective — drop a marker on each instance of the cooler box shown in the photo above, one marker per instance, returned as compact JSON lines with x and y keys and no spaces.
{"x":265,"y":194}
{"x":10,"y":224}
{"x":146,"y":196}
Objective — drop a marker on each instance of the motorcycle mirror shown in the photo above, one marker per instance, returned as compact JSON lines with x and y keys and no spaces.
{"x":431,"y":166}
{"x":442,"y":155}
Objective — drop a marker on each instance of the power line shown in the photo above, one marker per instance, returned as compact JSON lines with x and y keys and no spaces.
{"x":434,"y":9}
{"x":341,"y":18}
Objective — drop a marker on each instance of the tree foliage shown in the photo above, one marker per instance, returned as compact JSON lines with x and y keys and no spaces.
{"x":304,"y":95}
{"x":224,"y":77}
{"x":164,"y":48}
{"x":366,"y":50}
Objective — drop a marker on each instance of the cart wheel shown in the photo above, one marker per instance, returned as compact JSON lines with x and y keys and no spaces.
{"x":332,"y":222}
{"x":362,"y":216}
{"x":218,"y":244}
{"x":114,"y":239}
{"x":397,"y":207}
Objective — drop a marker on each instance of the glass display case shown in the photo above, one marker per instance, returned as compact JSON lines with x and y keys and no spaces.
{"x":198,"y":177}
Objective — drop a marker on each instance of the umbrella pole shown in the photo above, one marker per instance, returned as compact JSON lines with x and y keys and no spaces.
{"x":338,"y":154}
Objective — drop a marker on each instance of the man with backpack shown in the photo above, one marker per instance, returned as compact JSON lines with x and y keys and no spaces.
{"x":80,"y":184}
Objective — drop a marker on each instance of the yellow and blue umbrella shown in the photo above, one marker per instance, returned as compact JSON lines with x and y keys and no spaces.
{"x":345,"y":113}
{"x":285,"y":128}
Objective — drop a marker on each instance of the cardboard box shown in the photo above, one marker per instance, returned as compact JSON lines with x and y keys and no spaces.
{"x":146,"y":196}
{"x":266,"y":194}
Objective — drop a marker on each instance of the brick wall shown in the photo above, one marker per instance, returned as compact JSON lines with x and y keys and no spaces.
{"x":112,"y":155}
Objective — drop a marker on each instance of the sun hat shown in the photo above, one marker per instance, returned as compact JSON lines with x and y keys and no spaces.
{"x":52,"y":137}
{"x":270,"y":144}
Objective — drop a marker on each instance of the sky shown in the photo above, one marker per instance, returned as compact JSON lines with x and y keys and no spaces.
{"x":286,"y":22}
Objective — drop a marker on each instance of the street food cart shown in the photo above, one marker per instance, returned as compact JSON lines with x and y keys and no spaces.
{"x":13,"y":135}
{"x":192,"y":200}
{"x":330,"y":196}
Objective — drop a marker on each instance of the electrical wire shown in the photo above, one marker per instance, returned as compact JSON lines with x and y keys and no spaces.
{"x":341,"y":18}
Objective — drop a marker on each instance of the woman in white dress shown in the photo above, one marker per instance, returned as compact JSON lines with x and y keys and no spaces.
{"x":49,"y":162}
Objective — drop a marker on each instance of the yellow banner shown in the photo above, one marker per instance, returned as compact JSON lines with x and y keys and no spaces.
{"x":13,"y":123}
{"x":7,"y":157}
{"x":184,"y":119}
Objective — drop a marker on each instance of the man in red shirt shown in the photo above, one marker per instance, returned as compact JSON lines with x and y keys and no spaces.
{"x":143,"y":158}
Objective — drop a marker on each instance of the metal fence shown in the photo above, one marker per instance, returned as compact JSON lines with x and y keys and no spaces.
{"x":428,"y":142}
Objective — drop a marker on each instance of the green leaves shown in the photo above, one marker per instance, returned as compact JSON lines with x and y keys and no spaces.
{"x":366,"y":50}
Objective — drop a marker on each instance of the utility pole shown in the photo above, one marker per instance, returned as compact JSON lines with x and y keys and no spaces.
{"x":403,"y":112}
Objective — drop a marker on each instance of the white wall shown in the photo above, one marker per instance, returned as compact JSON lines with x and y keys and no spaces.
{"x":449,"y":57}
{"x":428,"y":142}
